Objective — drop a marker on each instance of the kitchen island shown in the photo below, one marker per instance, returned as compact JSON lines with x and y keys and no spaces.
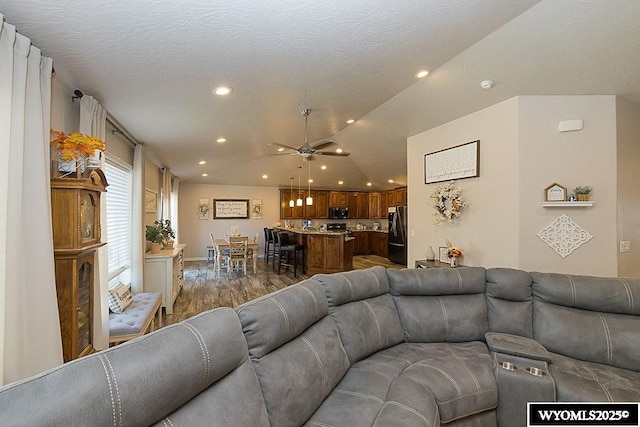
{"x":326,"y":251}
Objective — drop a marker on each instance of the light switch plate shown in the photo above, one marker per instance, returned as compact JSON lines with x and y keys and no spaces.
{"x":625,"y":246}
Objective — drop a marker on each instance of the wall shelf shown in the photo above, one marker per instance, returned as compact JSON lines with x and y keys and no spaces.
{"x":567,"y":204}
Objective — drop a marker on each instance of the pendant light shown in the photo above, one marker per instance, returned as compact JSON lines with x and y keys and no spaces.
{"x":309,"y":199}
{"x":291,"y":203}
{"x":299,"y":199}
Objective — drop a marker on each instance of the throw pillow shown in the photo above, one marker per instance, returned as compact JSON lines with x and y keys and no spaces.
{"x":120,"y":297}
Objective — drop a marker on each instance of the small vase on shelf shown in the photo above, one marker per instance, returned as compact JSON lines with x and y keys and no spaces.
{"x":453,"y":262}
{"x":430,"y":255}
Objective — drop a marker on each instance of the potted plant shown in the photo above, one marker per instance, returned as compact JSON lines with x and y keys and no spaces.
{"x":168,"y":234}
{"x":155,"y":236}
{"x":582,"y":192}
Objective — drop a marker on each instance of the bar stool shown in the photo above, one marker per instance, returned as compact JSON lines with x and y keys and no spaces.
{"x":289,"y":249}
{"x":269,"y":244}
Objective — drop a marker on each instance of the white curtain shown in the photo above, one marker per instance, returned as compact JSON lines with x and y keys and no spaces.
{"x":93,"y":122}
{"x":137,"y":223}
{"x":29,"y":324}
{"x":175,"y":185}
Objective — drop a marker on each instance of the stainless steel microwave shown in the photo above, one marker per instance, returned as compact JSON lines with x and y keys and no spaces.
{"x":338,"y":213}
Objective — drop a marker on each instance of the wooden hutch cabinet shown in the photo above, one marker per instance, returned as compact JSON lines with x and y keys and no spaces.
{"x":75,"y":209}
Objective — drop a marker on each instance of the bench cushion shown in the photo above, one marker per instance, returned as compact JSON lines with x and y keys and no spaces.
{"x":134,"y":317}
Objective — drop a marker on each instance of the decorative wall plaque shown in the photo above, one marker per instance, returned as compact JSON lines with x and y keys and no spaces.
{"x":564,"y":236}
{"x":555,"y":193}
{"x":462,"y":161}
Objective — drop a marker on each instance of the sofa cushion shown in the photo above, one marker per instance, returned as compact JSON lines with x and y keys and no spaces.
{"x":363,"y":310}
{"x":145,"y":380}
{"x":509,"y":301}
{"x":577,"y":380}
{"x":438,"y":304}
{"x":295,"y":349}
{"x":375,"y":389}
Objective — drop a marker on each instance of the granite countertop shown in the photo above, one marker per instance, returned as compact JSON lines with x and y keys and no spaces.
{"x":308,"y":231}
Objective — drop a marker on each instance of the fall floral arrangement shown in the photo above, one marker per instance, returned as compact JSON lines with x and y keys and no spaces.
{"x":75,"y":145}
{"x":447,"y":202}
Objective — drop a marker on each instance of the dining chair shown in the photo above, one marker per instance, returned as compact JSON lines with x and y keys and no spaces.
{"x":237,"y":253}
{"x":218,"y":253}
{"x":250,"y":251}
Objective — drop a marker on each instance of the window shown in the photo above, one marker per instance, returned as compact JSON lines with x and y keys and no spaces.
{"x":119,"y":201}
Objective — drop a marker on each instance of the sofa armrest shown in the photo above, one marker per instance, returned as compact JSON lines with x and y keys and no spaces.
{"x":516,"y":345}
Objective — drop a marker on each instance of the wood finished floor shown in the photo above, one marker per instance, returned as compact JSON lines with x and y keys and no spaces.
{"x":205,"y":289}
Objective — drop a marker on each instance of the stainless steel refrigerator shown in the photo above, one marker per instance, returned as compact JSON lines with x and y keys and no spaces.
{"x":398,"y":235}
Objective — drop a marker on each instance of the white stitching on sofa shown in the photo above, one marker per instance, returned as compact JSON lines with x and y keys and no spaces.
{"x":604,"y":389}
{"x":115,"y":383}
{"x":376,"y":279}
{"x":362,"y":395}
{"x":167,"y":420}
{"x":375,"y":319}
{"x":408,"y":408}
{"x":313,"y":297}
{"x":203,"y":351}
{"x":325,"y":380}
{"x":318,"y":423}
{"x":351,"y":290}
{"x":455,"y":384}
{"x":113,"y":403}
{"x":459,"y":280}
{"x":444,"y":315}
{"x":284,"y":313}
{"x":607,"y":333}
{"x":629,"y":294}
{"x":573,"y":290}
{"x":473,"y":377}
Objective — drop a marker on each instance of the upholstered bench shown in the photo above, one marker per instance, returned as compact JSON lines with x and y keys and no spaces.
{"x":137,"y":319}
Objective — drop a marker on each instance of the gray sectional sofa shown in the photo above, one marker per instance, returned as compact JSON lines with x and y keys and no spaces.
{"x":374,"y":347}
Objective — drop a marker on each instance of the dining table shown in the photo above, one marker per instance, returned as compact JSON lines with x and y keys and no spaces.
{"x":222,"y":244}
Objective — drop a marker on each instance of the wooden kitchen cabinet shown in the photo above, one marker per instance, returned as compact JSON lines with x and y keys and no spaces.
{"x":339,"y":199}
{"x":286,"y":212}
{"x":361,"y":242}
{"x":384,"y":205}
{"x":164,"y":273}
{"x":358,"y":205}
{"x":321,"y":200}
{"x":374,"y":205}
{"x":400,"y":196}
{"x":378,"y":243}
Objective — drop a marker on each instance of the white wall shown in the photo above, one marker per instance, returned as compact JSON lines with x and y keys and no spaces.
{"x":194,"y":232}
{"x":487,"y":230}
{"x":628,"y":121}
{"x":522,"y":152}
{"x":586,"y":157}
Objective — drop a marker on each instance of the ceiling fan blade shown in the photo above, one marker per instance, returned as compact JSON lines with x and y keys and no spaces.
{"x":332,"y":153}
{"x":322,"y":145}
{"x":284,"y":146}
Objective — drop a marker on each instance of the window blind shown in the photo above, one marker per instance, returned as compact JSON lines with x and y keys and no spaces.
{"x":119,"y":202}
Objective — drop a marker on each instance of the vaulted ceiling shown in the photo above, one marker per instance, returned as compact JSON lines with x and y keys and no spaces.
{"x":154,"y":64}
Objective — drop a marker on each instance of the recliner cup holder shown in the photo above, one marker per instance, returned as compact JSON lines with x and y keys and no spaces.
{"x":508,"y":366}
{"x":535,"y":371}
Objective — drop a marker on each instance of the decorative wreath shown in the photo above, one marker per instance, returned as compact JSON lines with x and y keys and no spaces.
{"x":447,"y":203}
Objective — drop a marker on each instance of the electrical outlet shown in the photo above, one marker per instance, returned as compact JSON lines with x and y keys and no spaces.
{"x":625,"y":246}
{"x":413,"y":233}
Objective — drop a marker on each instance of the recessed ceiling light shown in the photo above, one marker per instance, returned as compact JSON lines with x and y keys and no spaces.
{"x":265,"y":176}
{"x":323,"y":167}
{"x":281,"y":149}
{"x":421,"y":74}
{"x":310,"y":181}
{"x":221,"y":140}
{"x":390,"y":181}
{"x":223,"y":90}
{"x":339,"y":150}
{"x":205,"y":174}
{"x":350,"y":121}
{"x":202,"y":162}
{"x":369,"y":184}
{"x":340,"y":182}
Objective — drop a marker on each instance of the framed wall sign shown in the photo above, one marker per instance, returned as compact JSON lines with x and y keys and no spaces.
{"x":230,"y":208}
{"x":459,"y":162}
{"x":442,"y":254}
{"x":555,"y":193}
{"x":150,"y":201}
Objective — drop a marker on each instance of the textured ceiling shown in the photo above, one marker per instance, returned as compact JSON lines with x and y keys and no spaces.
{"x":153,"y":65}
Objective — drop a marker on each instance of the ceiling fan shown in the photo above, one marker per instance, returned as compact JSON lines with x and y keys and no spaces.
{"x":306,"y":151}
